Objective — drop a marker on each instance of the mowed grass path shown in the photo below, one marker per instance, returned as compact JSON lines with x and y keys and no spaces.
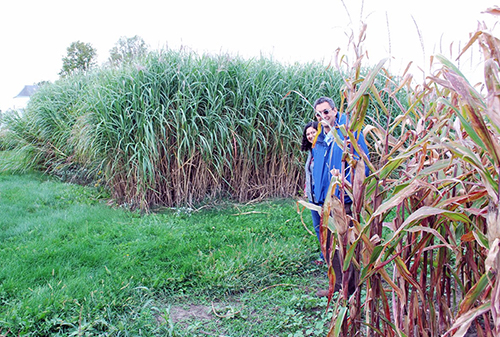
{"x":71,"y":264}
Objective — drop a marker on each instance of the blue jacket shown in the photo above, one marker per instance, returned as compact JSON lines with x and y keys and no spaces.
{"x":327,"y":156}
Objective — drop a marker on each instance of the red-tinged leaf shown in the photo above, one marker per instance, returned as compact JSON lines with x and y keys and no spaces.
{"x":462,"y":199}
{"x":405,"y":273}
{"x":426,"y":211}
{"x":366,"y":85}
{"x":385,"y":302}
{"x":493,"y":10}
{"x":393,"y":326}
{"x":376,"y":95}
{"x":470,"y":157}
{"x":470,"y":130}
{"x":449,"y":65}
{"x":468,"y":237}
{"x":393,"y":285}
{"x":349,"y":255}
{"x":357,"y":148}
{"x":332,"y":279}
{"x":432,"y":231}
{"x":481,"y":239}
{"x":439,"y":165}
{"x":470,"y":43}
{"x":463,"y":321}
{"x":457,"y":279}
{"x":376,"y":253}
{"x":336,"y":328}
{"x":392,"y":165}
{"x":482,"y":130}
{"x":474,"y":293}
{"x":397,"y":199}
{"x":358,"y":117}
{"x":470,"y":107}
{"x":367,"y":271}
{"x":476,"y":211}
{"x":374,"y":329}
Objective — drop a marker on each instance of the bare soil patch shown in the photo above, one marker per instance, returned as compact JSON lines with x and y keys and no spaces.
{"x":183,"y":313}
{"x":180,"y":313}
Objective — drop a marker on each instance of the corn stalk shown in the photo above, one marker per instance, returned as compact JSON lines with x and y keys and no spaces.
{"x":425,"y":235}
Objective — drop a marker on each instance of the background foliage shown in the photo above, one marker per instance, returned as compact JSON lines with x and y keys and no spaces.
{"x":175,"y":128}
{"x":80,"y":57}
{"x":127,"y":49}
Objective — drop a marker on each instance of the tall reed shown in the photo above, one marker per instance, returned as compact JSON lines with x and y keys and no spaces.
{"x":177,"y":128}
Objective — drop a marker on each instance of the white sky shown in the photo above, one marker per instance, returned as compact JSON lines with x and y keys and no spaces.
{"x":34,"y":34}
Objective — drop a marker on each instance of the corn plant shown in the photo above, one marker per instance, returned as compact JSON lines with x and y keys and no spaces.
{"x":425,"y":234}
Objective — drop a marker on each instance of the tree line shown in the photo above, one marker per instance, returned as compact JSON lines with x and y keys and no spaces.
{"x":81,"y":56}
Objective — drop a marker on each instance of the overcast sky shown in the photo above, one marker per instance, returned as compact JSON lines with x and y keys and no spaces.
{"x":34,"y":34}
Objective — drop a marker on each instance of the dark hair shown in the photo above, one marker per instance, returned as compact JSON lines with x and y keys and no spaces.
{"x":306,"y":145}
{"x":323,"y":100}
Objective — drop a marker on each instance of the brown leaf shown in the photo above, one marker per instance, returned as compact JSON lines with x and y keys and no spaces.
{"x":340,"y":219}
{"x":358,"y":186}
{"x":463,"y":88}
{"x":468,"y":237}
{"x":493,"y":11}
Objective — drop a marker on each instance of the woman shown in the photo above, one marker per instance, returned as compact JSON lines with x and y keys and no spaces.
{"x":308,"y":136}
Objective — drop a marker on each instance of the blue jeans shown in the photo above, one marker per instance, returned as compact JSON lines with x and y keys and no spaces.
{"x":316,"y":218}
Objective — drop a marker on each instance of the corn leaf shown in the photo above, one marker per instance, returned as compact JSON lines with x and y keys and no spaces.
{"x":463,"y":322}
{"x":336,"y":328}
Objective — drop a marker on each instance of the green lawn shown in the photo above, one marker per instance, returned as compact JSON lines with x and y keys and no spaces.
{"x":72,"y":265}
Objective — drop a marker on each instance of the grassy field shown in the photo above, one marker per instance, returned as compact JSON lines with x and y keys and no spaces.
{"x":73,"y":265}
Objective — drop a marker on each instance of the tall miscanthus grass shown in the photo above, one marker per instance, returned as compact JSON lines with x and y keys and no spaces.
{"x":426,"y":229}
{"x":43,"y":133}
{"x":176,"y":128}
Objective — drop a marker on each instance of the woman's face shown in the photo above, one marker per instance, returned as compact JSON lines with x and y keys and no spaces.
{"x":310,"y":133}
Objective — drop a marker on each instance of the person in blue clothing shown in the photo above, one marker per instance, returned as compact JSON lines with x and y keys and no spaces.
{"x":327,"y":153}
{"x":308,"y":135}
{"x":328,"y":162}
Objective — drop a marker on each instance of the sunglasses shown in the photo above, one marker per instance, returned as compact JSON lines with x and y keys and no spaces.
{"x":324,"y":112}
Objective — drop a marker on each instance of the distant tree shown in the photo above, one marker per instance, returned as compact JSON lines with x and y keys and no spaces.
{"x":39,"y":84}
{"x":81,"y":57}
{"x":127,"y":49}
